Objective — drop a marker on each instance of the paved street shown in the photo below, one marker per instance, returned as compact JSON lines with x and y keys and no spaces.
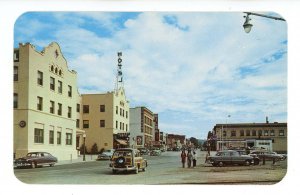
{"x":164,"y":169}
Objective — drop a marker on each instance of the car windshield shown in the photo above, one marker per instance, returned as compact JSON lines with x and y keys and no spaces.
{"x":123,"y":153}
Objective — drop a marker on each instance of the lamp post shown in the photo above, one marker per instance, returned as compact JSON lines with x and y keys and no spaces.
{"x":247,"y":25}
{"x":84,"y":136}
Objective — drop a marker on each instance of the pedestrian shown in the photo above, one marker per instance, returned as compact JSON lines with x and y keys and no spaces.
{"x":183,"y":158}
{"x":194,"y":159}
{"x":189,"y":158}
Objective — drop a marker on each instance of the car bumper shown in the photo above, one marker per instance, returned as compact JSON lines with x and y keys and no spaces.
{"x":124,"y":168}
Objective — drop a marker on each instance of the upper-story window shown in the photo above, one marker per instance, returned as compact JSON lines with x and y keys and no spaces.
{"x":266,"y":132}
{"x":253,"y":132}
{"x":69,"y":112}
{"x":15,"y":100}
{"x":102,"y":108}
{"x":69,"y":91}
{"x":40,"y":78}
{"x":233,"y":133}
{"x":86,"y":109}
{"x":242,"y":133}
{"x":52,"y":83}
{"x":281,"y":132}
{"x":247,"y":132}
{"x":78,"y":107}
{"x":51,"y":107}
{"x":68,"y":138}
{"x":60,"y":87}
{"x":272,"y":133}
{"x":116,"y":109}
{"x":59,"y":110}
{"x":16,"y":73}
{"x":39,"y":103}
{"x":16,"y":55}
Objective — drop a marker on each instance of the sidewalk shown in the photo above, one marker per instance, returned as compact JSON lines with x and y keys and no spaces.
{"x":88,"y":158}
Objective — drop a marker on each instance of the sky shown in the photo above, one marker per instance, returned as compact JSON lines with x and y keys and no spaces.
{"x":195,"y":69}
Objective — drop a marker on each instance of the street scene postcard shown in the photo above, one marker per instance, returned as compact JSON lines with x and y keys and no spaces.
{"x":158,"y":98}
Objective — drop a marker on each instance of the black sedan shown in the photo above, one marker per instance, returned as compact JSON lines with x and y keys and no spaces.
{"x":34,"y":159}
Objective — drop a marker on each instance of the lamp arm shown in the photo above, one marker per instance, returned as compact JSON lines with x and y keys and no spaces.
{"x":262,"y":15}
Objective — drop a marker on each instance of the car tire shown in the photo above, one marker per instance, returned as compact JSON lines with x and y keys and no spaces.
{"x":114,"y":171}
{"x":247,"y":162}
{"x":221,"y":164}
{"x":52,"y":165}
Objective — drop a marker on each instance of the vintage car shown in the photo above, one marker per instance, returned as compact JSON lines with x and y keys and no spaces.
{"x":106,"y":155}
{"x":155,"y":152}
{"x":230,"y":157}
{"x":34,"y":159}
{"x":268,"y":155}
{"x":128,"y":159}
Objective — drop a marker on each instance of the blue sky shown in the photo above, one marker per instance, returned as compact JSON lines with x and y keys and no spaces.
{"x":192,"y":68}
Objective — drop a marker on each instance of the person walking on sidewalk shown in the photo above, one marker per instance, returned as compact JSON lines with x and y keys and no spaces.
{"x":194,"y":159}
{"x":183,"y":158}
{"x":189,"y":158}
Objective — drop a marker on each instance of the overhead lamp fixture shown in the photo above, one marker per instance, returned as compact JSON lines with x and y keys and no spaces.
{"x":247,"y":25}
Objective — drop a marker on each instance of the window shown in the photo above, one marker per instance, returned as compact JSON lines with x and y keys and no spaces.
{"x":102,"y":108}
{"x":253,"y":132}
{"x":120,"y":111}
{"x":16,"y":73}
{"x":68,"y":138}
{"x":233,"y":133}
{"x":59,"y":87}
{"x":126,"y":127}
{"x":69,"y":112}
{"x":58,"y":138}
{"x":86,"y":109}
{"x":126,"y":114}
{"x":15,"y":100}
{"x":102,"y":123}
{"x":52,"y":107}
{"x":38,"y":135}
{"x":39,"y":103}
{"x":224,"y":133}
{"x":116,"y":109}
{"x":69,"y":91}
{"x":266,"y":132}
{"x":260,"y":133}
{"x":16,"y":56}
{"x":51,"y":137}
{"x":116,"y":124}
{"x":242,"y":133}
{"x":272,"y":133}
{"x":52,"y":83}
{"x":59,"y":111}
{"x":281,"y":132}
{"x":77,"y":123}
{"x":86,"y":124}
{"x":78,"y":108}
{"x":40,"y":78}
{"x":247,"y":132}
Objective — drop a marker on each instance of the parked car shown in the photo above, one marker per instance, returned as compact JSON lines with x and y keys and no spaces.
{"x":155,"y":152}
{"x":228,"y":157}
{"x":143,"y":151}
{"x":255,"y":157}
{"x":34,"y":159}
{"x":268,"y":155}
{"x":106,"y":155}
{"x":128,"y":159}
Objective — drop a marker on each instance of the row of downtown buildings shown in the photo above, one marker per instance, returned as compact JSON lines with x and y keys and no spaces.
{"x":50,"y":114}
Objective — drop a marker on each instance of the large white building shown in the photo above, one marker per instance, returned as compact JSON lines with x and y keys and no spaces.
{"x":45,"y":100}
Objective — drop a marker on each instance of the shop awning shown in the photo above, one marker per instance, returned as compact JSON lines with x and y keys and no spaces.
{"x":122,"y":142}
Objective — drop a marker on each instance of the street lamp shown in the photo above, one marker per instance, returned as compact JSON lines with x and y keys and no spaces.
{"x":84,"y":136}
{"x":247,"y":25}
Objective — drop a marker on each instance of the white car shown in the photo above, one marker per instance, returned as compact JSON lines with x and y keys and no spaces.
{"x":106,"y":155}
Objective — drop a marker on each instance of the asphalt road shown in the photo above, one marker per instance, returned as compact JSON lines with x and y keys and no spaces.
{"x":164,"y":169}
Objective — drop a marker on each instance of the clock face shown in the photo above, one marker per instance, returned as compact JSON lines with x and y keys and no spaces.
{"x":22,"y":124}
